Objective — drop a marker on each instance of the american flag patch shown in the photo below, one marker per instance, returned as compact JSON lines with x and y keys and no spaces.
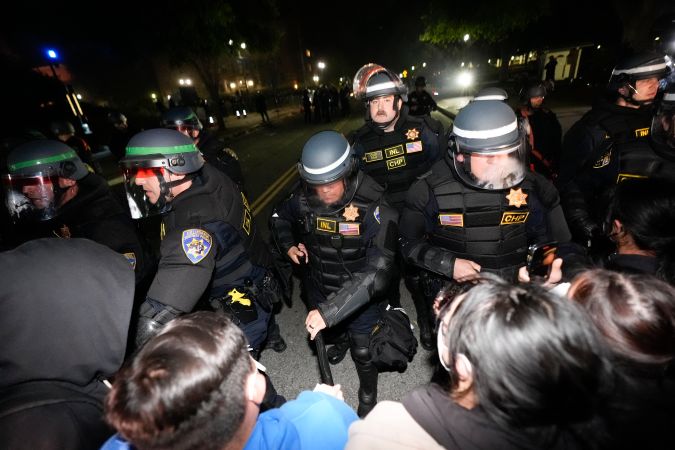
{"x":350,"y":229}
{"x":451,"y":220}
{"x":413,"y":147}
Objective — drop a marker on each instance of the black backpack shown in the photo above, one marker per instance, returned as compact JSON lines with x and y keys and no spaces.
{"x":392,"y":342}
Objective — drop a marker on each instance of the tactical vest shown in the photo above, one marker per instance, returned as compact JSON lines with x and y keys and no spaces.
{"x":336,"y":244}
{"x":220,"y":208}
{"x":397,"y":158}
{"x":487,"y":227}
{"x":637,"y":159}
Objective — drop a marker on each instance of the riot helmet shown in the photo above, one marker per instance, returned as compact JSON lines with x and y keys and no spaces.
{"x":634,"y":68}
{"x":39,"y":176}
{"x":663,"y":126}
{"x":151,"y":157}
{"x":487,"y":146}
{"x":533,"y":91}
{"x":420,"y":81}
{"x":373,"y":81}
{"x":61,"y":127}
{"x":181,"y":118}
{"x":327,"y":158}
{"x":491,"y":93}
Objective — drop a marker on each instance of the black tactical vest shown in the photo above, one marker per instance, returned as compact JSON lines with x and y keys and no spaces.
{"x":218,"y":206}
{"x":487,"y":227}
{"x":397,"y":158}
{"x":637,"y":159}
{"x":335,"y":238}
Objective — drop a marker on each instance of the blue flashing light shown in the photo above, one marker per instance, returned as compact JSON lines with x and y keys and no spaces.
{"x":51,"y":53}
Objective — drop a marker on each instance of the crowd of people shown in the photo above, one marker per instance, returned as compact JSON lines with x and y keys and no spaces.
{"x":540,"y":267}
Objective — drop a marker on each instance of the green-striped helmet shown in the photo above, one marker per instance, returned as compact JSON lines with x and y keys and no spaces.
{"x":150,"y":155}
{"x":33,"y":185}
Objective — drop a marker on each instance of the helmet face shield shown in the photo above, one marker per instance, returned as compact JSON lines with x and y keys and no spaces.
{"x":145,"y":188}
{"x":499,"y":168}
{"x":31,"y":198}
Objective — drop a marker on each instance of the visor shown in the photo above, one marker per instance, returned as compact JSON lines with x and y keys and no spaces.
{"x":32,"y":198}
{"x":492,"y":169}
{"x":144,"y":187}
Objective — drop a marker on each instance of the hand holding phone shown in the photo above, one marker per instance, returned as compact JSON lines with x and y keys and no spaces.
{"x":540,"y":257}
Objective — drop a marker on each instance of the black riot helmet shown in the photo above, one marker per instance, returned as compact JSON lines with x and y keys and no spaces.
{"x":487,"y":146}
{"x":533,"y":90}
{"x":149,"y":156}
{"x":420,"y":81}
{"x":637,"y":67}
{"x":491,"y":93}
{"x":61,"y":127}
{"x":32,"y":185}
{"x":180,"y":118}
{"x":663,"y":126}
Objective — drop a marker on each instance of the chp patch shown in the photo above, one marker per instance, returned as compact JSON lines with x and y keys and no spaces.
{"x":131,"y":259}
{"x":513,"y":217}
{"x":627,"y":176}
{"x":376,"y":213}
{"x":196,"y":244}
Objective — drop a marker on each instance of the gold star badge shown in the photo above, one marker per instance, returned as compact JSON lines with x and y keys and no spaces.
{"x":412,"y":134}
{"x":517,"y":198}
{"x":351,"y":212}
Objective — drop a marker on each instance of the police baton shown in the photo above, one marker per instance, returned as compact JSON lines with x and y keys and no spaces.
{"x":446,"y":113}
{"x":322,"y":356}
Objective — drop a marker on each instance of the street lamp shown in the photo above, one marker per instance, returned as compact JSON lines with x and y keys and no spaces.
{"x":321,"y":65}
{"x":243,"y":46}
{"x":466,"y":37}
{"x":316,"y":79}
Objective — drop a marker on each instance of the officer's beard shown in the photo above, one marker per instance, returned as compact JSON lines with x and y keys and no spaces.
{"x":502,"y":176}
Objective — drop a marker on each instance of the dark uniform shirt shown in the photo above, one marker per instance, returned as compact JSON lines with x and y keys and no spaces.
{"x":221,"y":157}
{"x":421,"y":103}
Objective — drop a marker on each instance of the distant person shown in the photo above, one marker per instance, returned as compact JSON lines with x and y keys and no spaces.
{"x":526,"y":370}
{"x":120,"y":134}
{"x":194,"y":386}
{"x":544,"y":130}
{"x":420,"y":102}
{"x":345,"y":93}
{"x":550,"y":72}
{"x":307,"y":106}
{"x":65,"y":318}
{"x":261,"y":107}
{"x":64,"y":131}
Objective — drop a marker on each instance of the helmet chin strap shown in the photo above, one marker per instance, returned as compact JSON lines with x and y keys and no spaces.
{"x":630,"y":98}
{"x":165,"y":187}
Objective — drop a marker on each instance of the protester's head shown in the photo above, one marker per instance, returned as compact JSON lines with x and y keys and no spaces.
{"x":384,"y":94}
{"x":183,"y":119}
{"x":159,"y":165}
{"x":192,"y":386}
{"x":641,"y":217}
{"x":42,"y":177}
{"x":327,"y":168}
{"x":634,"y":313}
{"x":635,"y":79}
{"x":487,"y":146}
{"x":529,"y":358}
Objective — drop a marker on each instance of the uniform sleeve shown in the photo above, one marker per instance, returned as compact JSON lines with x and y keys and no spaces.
{"x":283,"y":218}
{"x":185,"y":268}
{"x":417,"y":220}
{"x":580,"y":146}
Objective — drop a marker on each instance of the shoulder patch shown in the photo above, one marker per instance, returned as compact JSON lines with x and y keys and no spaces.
{"x":196,"y":244}
{"x":376,"y":214}
{"x":131,"y":258}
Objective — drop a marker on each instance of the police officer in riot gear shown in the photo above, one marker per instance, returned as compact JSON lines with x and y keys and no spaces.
{"x":420,"y":101}
{"x":216,"y":153}
{"x":339,"y":225}
{"x":607,"y":144}
{"x":210,"y":247}
{"x":479,"y":208}
{"x":395,"y":149}
{"x":64,"y":131}
{"x":50,"y":192}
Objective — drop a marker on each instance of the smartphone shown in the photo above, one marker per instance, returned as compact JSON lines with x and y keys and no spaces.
{"x":540,"y":258}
